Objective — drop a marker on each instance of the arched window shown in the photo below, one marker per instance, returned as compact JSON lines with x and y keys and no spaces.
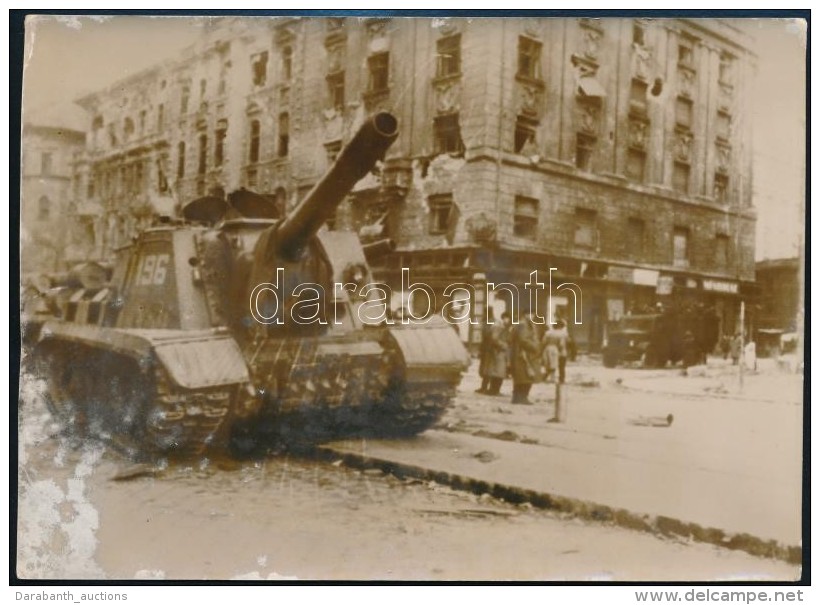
{"x":44,"y":208}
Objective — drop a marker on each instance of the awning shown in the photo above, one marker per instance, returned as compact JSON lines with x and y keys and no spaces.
{"x":590,"y":87}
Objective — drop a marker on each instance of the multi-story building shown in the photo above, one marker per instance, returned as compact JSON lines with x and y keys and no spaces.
{"x":615,"y":151}
{"x":46,"y":208}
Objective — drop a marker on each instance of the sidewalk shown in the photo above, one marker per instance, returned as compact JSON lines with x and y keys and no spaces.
{"x":727,"y":470}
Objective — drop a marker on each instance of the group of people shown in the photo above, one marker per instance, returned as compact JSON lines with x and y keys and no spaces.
{"x":524,"y":353}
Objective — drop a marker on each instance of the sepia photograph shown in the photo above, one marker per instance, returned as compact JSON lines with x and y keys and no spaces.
{"x":370,"y":296}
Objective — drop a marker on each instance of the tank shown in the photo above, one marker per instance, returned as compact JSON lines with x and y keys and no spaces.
{"x":234,"y":326}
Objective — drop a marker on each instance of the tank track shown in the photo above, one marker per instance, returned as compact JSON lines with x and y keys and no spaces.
{"x":184,"y":423}
{"x":412,"y":408}
{"x":107,"y":397}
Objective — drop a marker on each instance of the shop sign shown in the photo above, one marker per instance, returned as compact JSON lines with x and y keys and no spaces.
{"x":716,"y":285}
{"x":621,"y":274}
{"x":645,"y":277}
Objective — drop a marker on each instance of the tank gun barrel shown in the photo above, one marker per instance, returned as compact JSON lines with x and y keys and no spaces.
{"x":356,"y":159}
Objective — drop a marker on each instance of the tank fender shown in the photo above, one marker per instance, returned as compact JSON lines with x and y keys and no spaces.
{"x":430,"y":351}
{"x":203,"y":363}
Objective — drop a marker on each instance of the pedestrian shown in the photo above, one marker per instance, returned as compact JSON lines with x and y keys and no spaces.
{"x":525,"y":359}
{"x":737,"y":343}
{"x":549,"y":355}
{"x":495,"y":349}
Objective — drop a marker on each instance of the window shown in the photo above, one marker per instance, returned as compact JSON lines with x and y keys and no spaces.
{"x":529,"y":58}
{"x":586,"y":232}
{"x":203,"y":86}
{"x":635,"y":164}
{"x":253,"y":178}
{"x":287,"y":63}
{"x":685,"y":53}
{"x":284,"y":135}
{"x":43,"y":208}
{"x":259,"y":64}
{"x":726,"y":69}
{"x":638,"y":34}
{"x":202,"y":166}
{"x":128,"y":128}
{"x":447,"y":134}
{"x":160,"y":116}
{"x":45,"y":163}
{"x":637,"y":95}
{"x":183,"y":102}
{"x":525,"y":219}
{"x":219,"y":142}
{"x":721,"y":251}
{"x":724,"y":122}
{"x":524,"y":133}
{"x":181,"y":160}
{"x":584,"y":148}
{"x":636,"y":228}
{"x":253,"y":149}
{"x":680,"y":247}
{"x":680,"y":177}
{"x":448,"y":52}
{"x":439,"y":218}
{"x":142,"y":121}
{"x":721,"y":191}
{"x":683,"y":113}
{"x":91,"y":188}
{"x":378,"y":68}
{"x":336,"y":89}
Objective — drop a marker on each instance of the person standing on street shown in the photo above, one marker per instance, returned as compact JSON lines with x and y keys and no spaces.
{"x":526,"y":359}
{"x":556,"y":350}
{"x":496,"y":356}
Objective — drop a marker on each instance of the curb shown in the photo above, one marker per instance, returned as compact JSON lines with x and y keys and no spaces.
{"x":588,"y":511}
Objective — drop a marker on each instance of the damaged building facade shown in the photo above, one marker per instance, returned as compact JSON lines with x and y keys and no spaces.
{"x":615,"y":151}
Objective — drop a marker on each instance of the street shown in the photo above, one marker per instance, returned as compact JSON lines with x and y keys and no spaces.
{"x":85,"y":512}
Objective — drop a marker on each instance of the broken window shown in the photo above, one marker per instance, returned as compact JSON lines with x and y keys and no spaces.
{"x":439,"y":218}
{"x":253,"y":149}
{"x":524,"y":134}
{"x":447,"y":134}
{"x":448,"y":52}
{"x":529,"y":58}
{"x":259,"y":64}
{"x":525,"y":218}
{"x":336,"y":89}
{"x":378,"y":68}
{"x":284,"y":135}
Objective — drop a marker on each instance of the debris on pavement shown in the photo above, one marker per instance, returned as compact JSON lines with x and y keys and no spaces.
{"x":659,"y":421}
{"x":485,"y":456}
